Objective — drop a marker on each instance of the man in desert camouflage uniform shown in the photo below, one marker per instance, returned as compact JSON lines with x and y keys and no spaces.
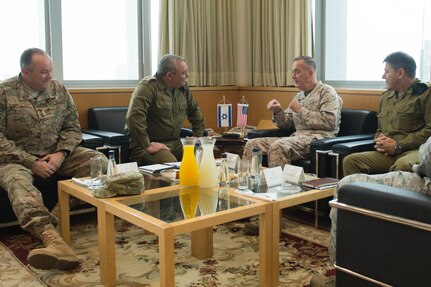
{"x":39,"y":134}
{"x":417,"y":181}
{"x":314,"y":113}
{"x":157,"y":110}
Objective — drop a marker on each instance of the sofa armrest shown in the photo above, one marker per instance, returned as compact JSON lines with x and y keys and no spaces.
{"x":269,"y":133}
{"x":386,"y":239}
{"x":328,"y":143}
{"x":386,"y":199}
{"x":113,"y":139}
{"x":91,"y":141}
{"x":186,"y":132}
{"x":352,"y":147}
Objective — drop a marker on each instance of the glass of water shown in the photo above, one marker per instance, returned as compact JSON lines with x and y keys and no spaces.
{"x":243,"y":175}
{"x":95,"y":170}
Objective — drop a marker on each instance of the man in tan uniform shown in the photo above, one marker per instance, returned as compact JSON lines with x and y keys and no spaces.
{"x":157,"y":110}
{"x":39,"y":134}
{"x":315,"y":113}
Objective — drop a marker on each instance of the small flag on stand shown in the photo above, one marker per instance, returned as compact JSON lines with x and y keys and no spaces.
{"x":224,"y":113}
{"x":241,"y":119}
{"x":241,"y":116}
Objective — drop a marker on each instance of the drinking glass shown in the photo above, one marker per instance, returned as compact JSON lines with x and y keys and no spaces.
{"x":95,"y":170}
{"x":243,"y":175}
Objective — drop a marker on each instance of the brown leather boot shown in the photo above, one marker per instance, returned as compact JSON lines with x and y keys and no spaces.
{"x":56,"y":254}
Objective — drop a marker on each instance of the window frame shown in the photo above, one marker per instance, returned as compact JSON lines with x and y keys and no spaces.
{"x":53,"y":36}
{"x":320,"y":44}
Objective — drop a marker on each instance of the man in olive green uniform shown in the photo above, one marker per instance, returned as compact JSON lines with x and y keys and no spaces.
{"x":39,"y":134}
{"x":157,"y":111}
{"x":404,"y":121}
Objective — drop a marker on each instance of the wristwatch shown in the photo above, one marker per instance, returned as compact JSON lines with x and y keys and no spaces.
{"x":398,"y":149}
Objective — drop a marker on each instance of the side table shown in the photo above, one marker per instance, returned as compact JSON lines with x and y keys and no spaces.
{"x":232,"y":145}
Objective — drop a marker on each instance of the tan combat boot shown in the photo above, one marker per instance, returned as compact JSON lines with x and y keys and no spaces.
{"x":56,"y":254}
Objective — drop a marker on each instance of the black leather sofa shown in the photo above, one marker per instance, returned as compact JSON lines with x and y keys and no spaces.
{"x":108,"y":123}
{"x":383,"y":236}
{"x":47,"y":187}
{"x":355,"y":125}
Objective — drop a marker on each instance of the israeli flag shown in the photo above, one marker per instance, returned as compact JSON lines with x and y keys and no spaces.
{"x":224,"y":115}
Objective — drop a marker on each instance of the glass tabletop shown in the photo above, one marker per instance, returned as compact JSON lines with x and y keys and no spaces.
{"x":262,"y":191}
{"x":176,"y":204}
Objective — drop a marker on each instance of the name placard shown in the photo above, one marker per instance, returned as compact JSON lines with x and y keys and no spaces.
{"x":273,"y":176}
{"x":232,"y":160}
{"x":293,"y":174}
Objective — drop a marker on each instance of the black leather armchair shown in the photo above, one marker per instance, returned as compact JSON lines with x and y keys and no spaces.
{"x":383,"y":236}
{"x":355,"y":125}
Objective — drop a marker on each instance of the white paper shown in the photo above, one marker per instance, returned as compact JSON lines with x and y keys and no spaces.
{"x":273,"y":176}
{"x":293,"y":174}
{"x":175,"y":164}
{"x":152,"y":168}
{"x":125,"y":167}
{"x":264,"y":196}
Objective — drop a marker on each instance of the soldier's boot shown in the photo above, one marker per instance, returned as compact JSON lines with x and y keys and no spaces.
{"x":56,"y":254}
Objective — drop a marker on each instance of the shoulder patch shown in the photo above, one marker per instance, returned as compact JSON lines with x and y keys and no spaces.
{"x":419,"y":88}
{"x":148,"y":79}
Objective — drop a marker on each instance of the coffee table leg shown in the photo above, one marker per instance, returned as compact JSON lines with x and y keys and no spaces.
{"x":106,"y":233}
{"x":64,"y":220}
{"x":275,"y":260}
{"x":202,"y":243}
{"x":265,"y":247}
{"x":166,"y":258}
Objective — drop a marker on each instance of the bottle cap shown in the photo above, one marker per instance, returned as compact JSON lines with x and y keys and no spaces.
{"x":224,"y":155}
{"x":111,"y":151}
{"x":255,"y":149}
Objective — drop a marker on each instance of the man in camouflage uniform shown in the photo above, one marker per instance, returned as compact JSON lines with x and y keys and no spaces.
{"x":417,"y":181}
{"x":156,"y":113}
{"x":314,"y":113}
{"x":39,"y":134}
{"x":404,"y":121}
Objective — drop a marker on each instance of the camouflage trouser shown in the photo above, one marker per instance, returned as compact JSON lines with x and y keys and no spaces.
{"x":398,"y":179}
{"x":163,"y":156}
{"x":280,"y":151}
{"x":26,"y":200}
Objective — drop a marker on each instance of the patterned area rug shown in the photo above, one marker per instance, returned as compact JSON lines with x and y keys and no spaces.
{"x":303,"y":253}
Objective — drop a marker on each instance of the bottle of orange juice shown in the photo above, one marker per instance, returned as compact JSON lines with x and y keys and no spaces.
{"x":189,"y":179}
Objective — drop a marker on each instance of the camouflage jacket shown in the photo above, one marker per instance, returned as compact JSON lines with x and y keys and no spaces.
{"x":320,"y":114}
{"x":33,"y":125}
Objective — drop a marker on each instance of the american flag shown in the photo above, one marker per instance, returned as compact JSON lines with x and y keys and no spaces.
{"x":224,"y":115}
{"x":241,"y":119}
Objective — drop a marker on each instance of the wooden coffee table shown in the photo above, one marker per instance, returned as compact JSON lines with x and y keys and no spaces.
{"x":144,"y":211}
